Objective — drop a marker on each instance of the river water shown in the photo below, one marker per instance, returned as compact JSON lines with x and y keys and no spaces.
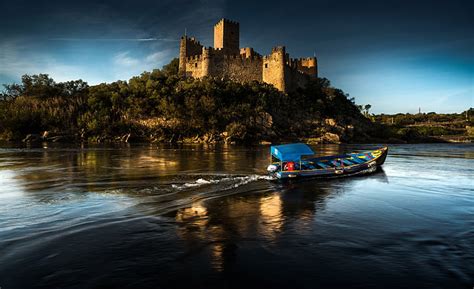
{"x":147,"y":216}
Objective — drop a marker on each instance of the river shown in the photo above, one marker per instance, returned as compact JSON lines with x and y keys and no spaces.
{"x":148,"y":216}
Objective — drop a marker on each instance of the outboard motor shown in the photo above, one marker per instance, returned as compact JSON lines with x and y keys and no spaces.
{"x":272,"y":168}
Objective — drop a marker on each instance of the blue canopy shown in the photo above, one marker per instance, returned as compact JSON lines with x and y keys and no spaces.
{"x":291,"y":152}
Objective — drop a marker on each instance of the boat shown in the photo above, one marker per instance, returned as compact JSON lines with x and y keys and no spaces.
{"x":298,"y":160}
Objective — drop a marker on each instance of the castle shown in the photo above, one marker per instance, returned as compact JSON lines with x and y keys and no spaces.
{"x":228,"y":60}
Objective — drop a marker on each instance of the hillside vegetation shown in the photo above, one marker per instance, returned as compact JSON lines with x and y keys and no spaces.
{"x":426,"y":127}
{"x":160,"y":106}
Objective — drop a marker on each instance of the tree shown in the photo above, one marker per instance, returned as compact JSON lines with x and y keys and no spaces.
{"x":42,"y":86}
{"x":161,"y":105}
{"x":171,"y":68}
{"x":12,"y":91}
{"x":367,"y":109}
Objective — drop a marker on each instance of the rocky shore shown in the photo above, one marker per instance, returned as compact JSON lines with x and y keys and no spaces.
{"x":163,"y":107}
{"x":161,"y":131}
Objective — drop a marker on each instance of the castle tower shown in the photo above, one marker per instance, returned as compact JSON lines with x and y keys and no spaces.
{"x":206,"y":58}
{"x":274,"y":68}
{"x":182,"y":56}
{"x":227,"y":36}
{"x":187,"y":47}
{"x":308,"y":65}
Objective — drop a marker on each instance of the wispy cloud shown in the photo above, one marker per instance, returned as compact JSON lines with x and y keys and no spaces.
{"x":123,"y":59}
{"x":116,"y":39}
{"x":159,"y":57}
{"x":17,"y":59}
{"x":15,"y":62}
{"x":102,"y":42}
{"x":126,"y":65}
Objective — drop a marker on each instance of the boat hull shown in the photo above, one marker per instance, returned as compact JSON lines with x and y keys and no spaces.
{"x":341,"y":166}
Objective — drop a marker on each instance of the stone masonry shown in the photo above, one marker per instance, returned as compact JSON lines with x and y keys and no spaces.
{"x":227,"y":60}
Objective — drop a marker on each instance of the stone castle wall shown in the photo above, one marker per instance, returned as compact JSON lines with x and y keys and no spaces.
{"x":236,"y":67}
{"x":295,"y":78}
{"x":227,"y":60}
{"x":195,"y":67}
{"x":188,"y":47}
{"x":273,"y":69}
{"x":214,"y":63}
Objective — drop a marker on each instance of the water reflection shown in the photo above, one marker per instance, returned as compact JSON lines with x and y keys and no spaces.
{"x":268,"y":215}
{"x":205,"y":216}
{"x":195,"y":220}
{"x":271,"y":216}
{"x":103,"y":168}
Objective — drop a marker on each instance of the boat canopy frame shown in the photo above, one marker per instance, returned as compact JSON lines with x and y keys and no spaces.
{"x":291,"y":152}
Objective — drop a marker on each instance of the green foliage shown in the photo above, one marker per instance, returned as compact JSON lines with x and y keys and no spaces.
{"x":171,"y":68}
{"x":420,"y":118}
{"x":161,"y":105}
{"x":43,"y":87}
{"x":427,"y":126}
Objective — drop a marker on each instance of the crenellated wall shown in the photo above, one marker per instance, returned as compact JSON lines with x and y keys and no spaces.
{"x":295,"y":78}
{"x":188,"y":47}
{"x":308,"y":65}
{"x":248,"y":52}
{"x":227,"y":60}
{"x":195,"y":67}
{"x":236,"y":67}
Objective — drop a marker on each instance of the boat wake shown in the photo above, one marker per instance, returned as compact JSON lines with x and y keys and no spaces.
{"x":184,"y":190}
{"x":233,"y":181}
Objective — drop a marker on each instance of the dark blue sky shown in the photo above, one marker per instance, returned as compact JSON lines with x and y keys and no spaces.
{"x":395,"y":55}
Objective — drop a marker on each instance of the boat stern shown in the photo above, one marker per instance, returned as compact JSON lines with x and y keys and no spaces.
{"x":286,"y":175}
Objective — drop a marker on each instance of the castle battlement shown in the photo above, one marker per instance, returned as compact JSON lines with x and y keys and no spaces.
{"x":224,"y":20}
{"x":227,"y":60}
{"x":192,"y":40}
{"x":305,"y":58}
{"x":278,"y":49}
{"x":194,"y":57}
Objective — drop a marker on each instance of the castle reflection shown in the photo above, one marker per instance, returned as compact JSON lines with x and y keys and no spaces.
{"x":219,"y":226}
{"x":98,"y":168}
{"x":271,"y":216}
{"x":104,"y":168}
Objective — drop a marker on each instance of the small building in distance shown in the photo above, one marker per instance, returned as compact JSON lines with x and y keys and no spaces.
{"x":227,"y":60}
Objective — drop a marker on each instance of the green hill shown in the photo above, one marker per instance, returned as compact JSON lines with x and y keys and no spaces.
{"x":160,"y":106}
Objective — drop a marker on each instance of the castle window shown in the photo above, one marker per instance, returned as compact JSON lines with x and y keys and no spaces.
{"x":266,"y":65}
{"x":195,"y":65}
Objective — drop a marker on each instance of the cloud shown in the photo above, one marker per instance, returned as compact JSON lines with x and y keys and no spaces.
{"x":101,"y":42}
{"x":159,"y":56}
{"x":16,"y":62}
{"x":125,"y":65}
{"x":123,"y":59}
{"x":116,"y":39}
{"x":19,"y":57}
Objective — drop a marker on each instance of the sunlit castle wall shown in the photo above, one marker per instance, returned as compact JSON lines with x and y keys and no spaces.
{"x":227,"y":36}
{"x":238,"y":67}
{"x":227,"y":60}
{"x":274,"y":68}
{"x":188,"y":48}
